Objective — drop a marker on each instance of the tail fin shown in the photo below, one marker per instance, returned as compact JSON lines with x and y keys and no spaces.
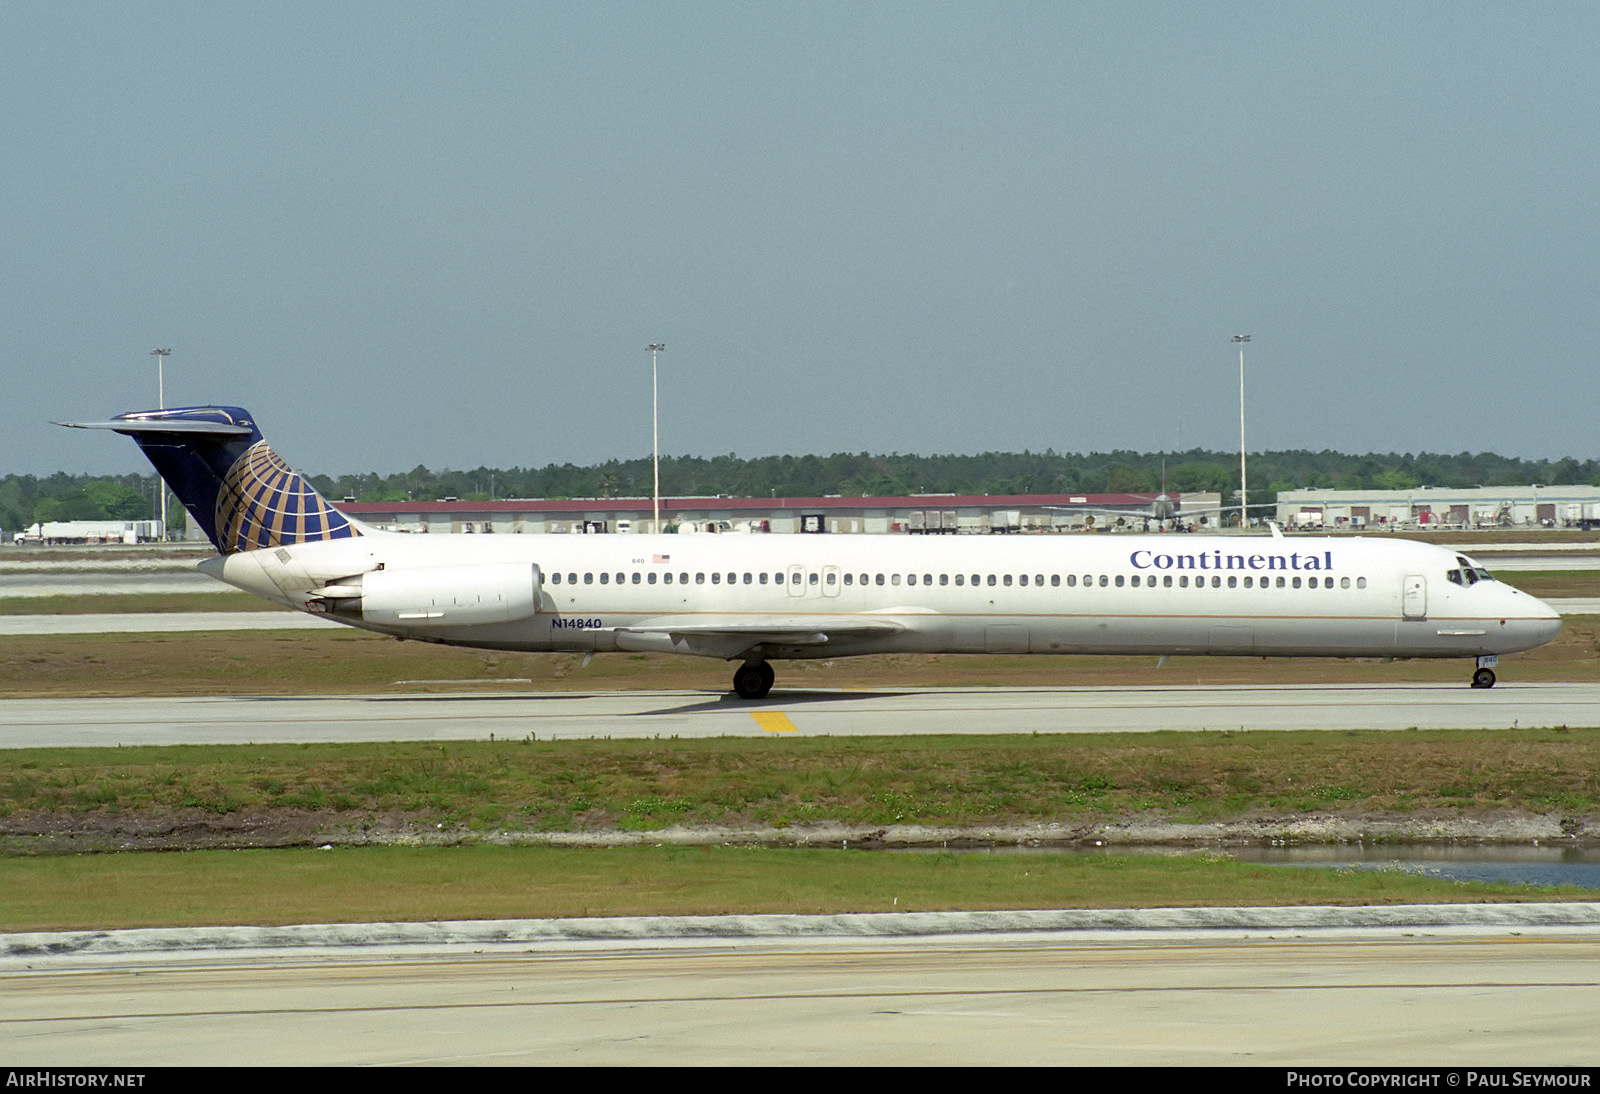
{"x":232,"y":484}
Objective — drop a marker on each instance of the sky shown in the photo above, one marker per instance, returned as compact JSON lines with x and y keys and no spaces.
{"x":443,"y":234}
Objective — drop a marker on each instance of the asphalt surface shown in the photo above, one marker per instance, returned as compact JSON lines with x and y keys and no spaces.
{"x":1428,"y":986}
{"x":33,"y":723}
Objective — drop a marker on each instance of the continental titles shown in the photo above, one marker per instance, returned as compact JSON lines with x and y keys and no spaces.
{"x":1216,"y":560}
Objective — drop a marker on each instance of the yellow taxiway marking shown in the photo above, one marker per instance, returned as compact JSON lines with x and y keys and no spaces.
{"x":774,"y":721}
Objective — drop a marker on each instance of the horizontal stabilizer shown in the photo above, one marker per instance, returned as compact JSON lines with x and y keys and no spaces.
{"x":189,"y":426}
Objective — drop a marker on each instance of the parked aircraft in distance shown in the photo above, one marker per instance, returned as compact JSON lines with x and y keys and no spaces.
{"x":763,"y":598}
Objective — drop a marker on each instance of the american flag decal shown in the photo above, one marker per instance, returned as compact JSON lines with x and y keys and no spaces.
{"x":660,"y":558}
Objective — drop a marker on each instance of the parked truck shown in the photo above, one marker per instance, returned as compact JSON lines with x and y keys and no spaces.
{"x":91,"y":531}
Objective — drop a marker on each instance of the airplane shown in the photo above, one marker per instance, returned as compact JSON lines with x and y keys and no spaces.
{"x":1164,"y":509}
{"x":758,"y":599}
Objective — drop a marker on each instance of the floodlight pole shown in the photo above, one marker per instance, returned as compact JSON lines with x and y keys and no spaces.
{"x":1239,"y":340}
{"x":161,"y":356}
{"x":655,"y":349}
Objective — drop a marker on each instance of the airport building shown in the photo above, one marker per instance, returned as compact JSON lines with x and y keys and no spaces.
{"x":925,"y":514}
{"x":1432,"y":506}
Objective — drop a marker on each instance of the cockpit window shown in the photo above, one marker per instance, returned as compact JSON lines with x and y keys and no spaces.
{"x":1454,"y":575}
{"x":1472,"y":573}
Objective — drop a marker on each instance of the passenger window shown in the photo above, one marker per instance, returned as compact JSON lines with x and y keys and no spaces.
{"x":1119,"y":581}
{"x":877,"y":579}
{"x":813,"y":579}
{"x":1104,"y":581}
{"x":588,"y":579}
{"x":1280,"y":581}
{"x":1038,"y":579}
{"x":1055,"y":581}
{"x":833,"y":578}
{"x":716,"y":579}
{"x":1233,"y":582}
{"x":927,"y":579}
{"x":636,"y":578}
{"x":961,"y":579}
{"x":991,"y":579}
{"x":1022,"y":579}
{"x":1361,"y":583}
{"x":651,"y":580}
{"x":1072,"y":581}
{"x":605,"y":579}
{"x":1344,"y":583}
{"x":699,"y":579}
{"x":1006,"y":581}
{"x":750,"y":578}
{"x":1183,"y":581}
{"x":894,"y":579}
{"x":1297,"y":583}
{"x":944,"y":579}
{"x":763,"y":577}
{"x":555,"y":579}
{"x":911,"y":579}
{"x":1216,"y":583}
{"x":1166,"y":580}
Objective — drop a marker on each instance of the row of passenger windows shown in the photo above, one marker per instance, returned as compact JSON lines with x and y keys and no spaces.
{"x":833,"y":578}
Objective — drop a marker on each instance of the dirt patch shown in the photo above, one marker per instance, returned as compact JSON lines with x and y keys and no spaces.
{"x":187,"y":830}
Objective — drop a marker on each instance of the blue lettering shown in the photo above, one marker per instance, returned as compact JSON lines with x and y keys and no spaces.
{"x":1144,"y":560}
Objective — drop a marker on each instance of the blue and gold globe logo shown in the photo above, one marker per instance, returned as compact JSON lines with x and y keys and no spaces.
{"x":264,"y":502}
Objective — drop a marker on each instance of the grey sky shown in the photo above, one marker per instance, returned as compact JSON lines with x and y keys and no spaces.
{"x":443,"y":234}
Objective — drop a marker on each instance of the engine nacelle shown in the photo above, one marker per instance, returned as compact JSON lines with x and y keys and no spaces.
{"x":442,"y":596}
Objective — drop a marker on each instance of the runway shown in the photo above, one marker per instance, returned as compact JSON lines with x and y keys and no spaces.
{"x":34,"y":723}
{"x":1417,"y":995}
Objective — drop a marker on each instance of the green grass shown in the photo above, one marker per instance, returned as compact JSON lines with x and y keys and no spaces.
{"x":136,"y":602}
{"x":526,"y":785}
{"x":421,"y":884}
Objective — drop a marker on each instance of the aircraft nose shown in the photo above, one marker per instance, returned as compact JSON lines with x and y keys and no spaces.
{"x":1548,"y":625}
{"x":1540,"y":625}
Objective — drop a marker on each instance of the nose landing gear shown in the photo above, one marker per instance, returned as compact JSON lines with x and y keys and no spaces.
{"x":1484,"y":677}
{"x":754,"y":679}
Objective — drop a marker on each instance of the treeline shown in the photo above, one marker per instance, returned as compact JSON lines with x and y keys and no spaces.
{"x":862,"y":474}
{"x":25,"y":499}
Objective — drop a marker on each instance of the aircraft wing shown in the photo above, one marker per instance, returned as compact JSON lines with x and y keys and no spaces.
{"x":733,"y":635}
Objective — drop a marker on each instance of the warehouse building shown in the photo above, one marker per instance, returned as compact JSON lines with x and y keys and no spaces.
{"x":1441,"y":507}
{"x":926,"y":514}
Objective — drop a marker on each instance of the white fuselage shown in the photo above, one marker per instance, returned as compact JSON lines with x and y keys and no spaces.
{"x":787,"y":596}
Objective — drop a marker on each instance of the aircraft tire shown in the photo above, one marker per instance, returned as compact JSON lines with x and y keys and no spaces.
{"x":1483,"y":678}
{"x":753,"y":680}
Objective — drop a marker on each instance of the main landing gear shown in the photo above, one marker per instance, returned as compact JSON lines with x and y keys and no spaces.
{"x":753,"y":680}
